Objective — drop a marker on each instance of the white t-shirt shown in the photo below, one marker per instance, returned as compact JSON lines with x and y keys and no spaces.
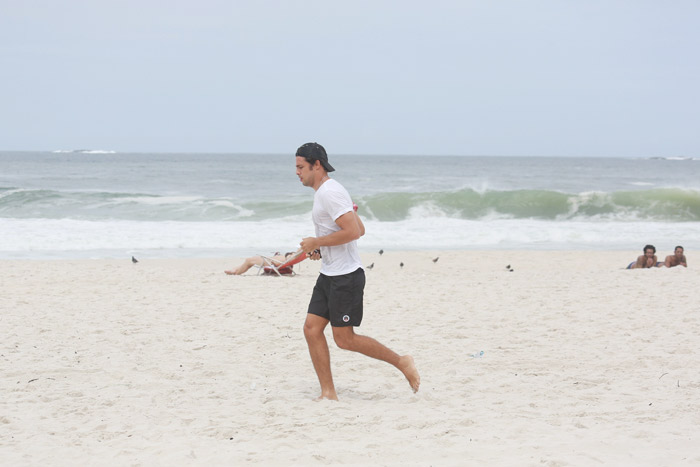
{"x":331,"y":201}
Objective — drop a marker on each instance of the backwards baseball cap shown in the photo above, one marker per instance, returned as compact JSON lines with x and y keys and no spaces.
{"x":316,"y":152}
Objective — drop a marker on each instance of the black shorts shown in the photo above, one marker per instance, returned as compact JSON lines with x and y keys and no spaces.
{"x":339,"y":298}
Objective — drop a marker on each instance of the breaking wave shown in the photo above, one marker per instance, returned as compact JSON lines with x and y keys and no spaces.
{"x":654,"y":205}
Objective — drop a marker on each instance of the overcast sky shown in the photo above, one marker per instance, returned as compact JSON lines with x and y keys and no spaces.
{"x":511,"y":77}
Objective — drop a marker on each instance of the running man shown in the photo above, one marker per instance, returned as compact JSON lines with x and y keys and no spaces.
{"x":337,"y":296}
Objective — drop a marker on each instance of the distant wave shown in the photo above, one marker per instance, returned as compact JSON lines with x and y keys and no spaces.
{"x":662,"y":205}
{"x":53,"y":204}
{"x":654,"y":205}
{"x":675,"y":158}
{"x":83,"y":151}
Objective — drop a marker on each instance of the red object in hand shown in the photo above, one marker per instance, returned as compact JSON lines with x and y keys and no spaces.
{"x":354,"y":207}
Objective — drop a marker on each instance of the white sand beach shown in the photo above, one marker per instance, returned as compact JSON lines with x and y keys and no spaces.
{"x":172,"y":362}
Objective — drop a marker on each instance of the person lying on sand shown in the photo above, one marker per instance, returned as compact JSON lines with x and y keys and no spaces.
{"x":248,"y":263}
{"x":676,"y":259}
{"x":647,"y":260}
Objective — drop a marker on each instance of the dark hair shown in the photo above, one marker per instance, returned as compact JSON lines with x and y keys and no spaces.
{"x":678,"y":248}
{"x":311,"y":160}
{"x":653,"y":248}
{"x":312,"y":152}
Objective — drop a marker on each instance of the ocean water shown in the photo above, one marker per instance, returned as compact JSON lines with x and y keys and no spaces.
{"x":100,"y":204}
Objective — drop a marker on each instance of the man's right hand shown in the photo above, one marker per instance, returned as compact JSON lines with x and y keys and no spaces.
{"x":309,"y":245}
{"x":315,"y":255}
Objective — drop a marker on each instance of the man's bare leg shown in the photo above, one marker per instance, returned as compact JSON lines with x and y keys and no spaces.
{"x":247,"y":264}
{"x":320,"y":355}
{"x":346,"y":339}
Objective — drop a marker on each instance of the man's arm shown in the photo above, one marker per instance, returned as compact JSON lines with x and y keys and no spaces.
{"x":360,"y":224}
{"x":349,"y":231}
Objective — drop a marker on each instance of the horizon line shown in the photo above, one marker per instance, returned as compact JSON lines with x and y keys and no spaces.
{"x":339,"y":154}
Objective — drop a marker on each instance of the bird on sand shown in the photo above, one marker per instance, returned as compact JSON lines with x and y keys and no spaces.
{"x":401,"y":264}
{"x":370,"y":266}
{"x":381,"y":252}
{"x":134,"y":260}
{"x":435,"y":259}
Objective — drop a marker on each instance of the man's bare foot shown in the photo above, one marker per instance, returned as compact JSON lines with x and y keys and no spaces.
{"x":331,"y":397}
{"x":409,"y":370}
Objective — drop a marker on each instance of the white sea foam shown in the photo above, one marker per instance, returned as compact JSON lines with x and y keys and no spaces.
{"x":42,"y":238}
{"x":426,"y":210}
{"x":446,"y":233}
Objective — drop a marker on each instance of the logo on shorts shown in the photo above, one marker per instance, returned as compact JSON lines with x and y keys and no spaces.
{"x":346,"y":318}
